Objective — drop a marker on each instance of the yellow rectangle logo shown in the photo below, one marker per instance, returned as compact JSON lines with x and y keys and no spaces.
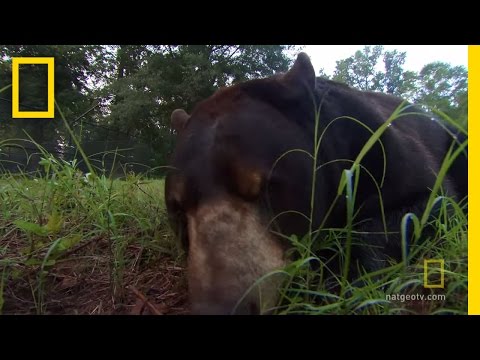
{"x":16,"y":62}
{"x":440,"y":265}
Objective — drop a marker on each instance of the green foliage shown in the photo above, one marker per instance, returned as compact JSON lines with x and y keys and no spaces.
{"x":113,"y":95}
{"x":359,"y":70}
{"x":438,"y":85}
{"x":131,"y":90}
{"x":45,"y":218}
{"x":75,"y":76}
{"x":323,"y":74}
{"x":444,"y":87}
{"x":154,"y":80}
{"x":396,"y":80}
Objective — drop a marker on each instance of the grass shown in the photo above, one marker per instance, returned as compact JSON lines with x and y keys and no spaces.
{"x":384,"y":292}
{"x":85,"y":243}
{"x":71,"y":241}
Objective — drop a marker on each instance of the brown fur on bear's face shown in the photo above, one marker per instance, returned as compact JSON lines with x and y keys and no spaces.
{"x":225,"y":193}
{"x":225,"y":155}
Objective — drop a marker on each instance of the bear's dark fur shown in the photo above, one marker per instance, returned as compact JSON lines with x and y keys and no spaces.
{"x":225,"y":157}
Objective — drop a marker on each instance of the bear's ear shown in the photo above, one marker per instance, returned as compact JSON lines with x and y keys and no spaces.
{"x":302,"y":74}
{"x":179,"y":119}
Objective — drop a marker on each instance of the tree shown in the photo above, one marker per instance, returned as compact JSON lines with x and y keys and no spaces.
{"x":444,"y":87}
{"x":74,"y":75}
{"x":437,"y":85}
{"x":397,"y":81}
{"x":323,"y":74}
{"x":167,"y":77}
{"x":359,"y":70}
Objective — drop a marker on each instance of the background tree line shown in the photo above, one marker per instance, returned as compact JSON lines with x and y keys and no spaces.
{"x":117,"y":94}
{"x":437,"y":85}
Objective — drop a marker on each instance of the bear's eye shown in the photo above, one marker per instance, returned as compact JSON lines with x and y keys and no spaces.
{"x":248,"y":182}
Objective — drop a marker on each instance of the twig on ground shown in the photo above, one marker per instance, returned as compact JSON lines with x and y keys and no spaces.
{"x":142,"y":297}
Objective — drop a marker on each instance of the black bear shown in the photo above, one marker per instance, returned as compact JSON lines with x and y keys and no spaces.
{"x":244,"y":169}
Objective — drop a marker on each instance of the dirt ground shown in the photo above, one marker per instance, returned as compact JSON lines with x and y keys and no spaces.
{"x":83,"y":283}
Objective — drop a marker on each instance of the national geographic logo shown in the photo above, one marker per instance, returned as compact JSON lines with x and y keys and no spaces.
{"x":434,"y":274}
{"x":16,"y":62}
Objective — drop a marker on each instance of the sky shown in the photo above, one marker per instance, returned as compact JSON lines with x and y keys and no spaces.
{"x":325,"y":56}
